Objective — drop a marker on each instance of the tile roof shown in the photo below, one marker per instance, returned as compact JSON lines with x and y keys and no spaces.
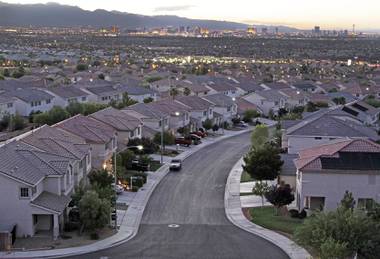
{"x":117,"y":119}
{"x":30,"y":95}
{"x":219,"y":100}
{"x":67,"y":91}
{"x":331,"y":126}
{"x":93,"y":131}
{"x":52,"y":201}
{"x":194,"y":102}
{"x":310,"y":159}
{"x":147,"y":110}
{"x":27,"y":164}
{"x":58,"y":141}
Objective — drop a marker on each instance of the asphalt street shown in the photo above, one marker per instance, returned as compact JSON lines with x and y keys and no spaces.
{"x":185,"y":217}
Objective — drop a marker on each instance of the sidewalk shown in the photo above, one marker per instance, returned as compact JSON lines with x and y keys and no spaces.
{"x":130,"y":222}
{"x":233,"y":206}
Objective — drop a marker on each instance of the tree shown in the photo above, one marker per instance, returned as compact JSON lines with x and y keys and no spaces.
{"x":82,"y":67}
{"x":260,"y":189}
{"x":127,"y":101}
{"x":4,"y":122}
{"x":260,"y":136}
{"x":148,"y":100}
{"x":186,"y":91}
{"x":344,"y":232}
{"x":339,"y":100}
{"x":169,"y":138}
{"x":173,"y":92}
{"x":55,"y":115}
{"x":6,"y":73}
{"x":311,"y":107}
{"x":101,"y":177}
{"x":249,"y":115}
{"x":280,"y":196}
{"x":74,"y":108}
{"x":17,"y":122}
{"x":20,"y":72}
{"x":348,"y":201}
{"x":264,"y":163}
{"x":94,"y":212}
{"x":215,"y":128}
{"x":207,"y":124}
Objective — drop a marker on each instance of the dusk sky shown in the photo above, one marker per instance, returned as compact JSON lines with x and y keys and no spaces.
{"x":330,"y":14}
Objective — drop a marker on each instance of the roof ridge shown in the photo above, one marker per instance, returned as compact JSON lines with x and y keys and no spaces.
{"x":43,"y":160}
{"x":93,"y":132}
{"x":62,"y":146}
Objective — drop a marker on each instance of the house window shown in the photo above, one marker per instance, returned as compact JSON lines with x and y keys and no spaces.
{"x":9,"y":105}
{"x":24,"y":192}
{"x":138,"y":131}
{"x":132,"y":134}
{"x":48,"y":101}
{"x":317,"y":138}
{"x":276,"y":103}
{"x":229,"y":108}
{"x":35,"y":219}
{"x":84,"y":98}
{"x":365,"y":203}
{"x":204,"y":113}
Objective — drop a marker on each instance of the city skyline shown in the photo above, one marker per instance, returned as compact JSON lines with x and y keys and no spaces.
{"x":295,"y":13}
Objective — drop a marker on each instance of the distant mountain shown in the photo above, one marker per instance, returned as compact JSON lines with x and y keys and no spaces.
{"x":56,"y":15}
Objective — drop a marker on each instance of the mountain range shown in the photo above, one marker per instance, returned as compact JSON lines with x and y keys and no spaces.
{"x":57,"y":15}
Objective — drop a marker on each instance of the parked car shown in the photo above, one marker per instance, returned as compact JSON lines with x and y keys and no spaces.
{"x":175,"y":164}
{"x":195,"y":138}
{"x":183,"y":141}
{"x":139,"y":166}
{"x":199,"y":134}
{"x":241,"y":125}
{"x":118,"y":188}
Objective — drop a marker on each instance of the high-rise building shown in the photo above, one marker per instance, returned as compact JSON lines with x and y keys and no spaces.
{"x":317,"y":29}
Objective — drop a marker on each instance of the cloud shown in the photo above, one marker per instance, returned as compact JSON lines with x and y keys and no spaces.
{"x":173,"y":8}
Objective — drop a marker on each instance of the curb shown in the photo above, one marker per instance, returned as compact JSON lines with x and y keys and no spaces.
{"x":133,"y":215}
{"x":235,"y":215}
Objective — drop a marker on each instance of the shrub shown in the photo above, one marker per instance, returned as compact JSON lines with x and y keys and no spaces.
{"x":302,"y":214}
{"x":82,"y":67}
{"x":293,"y":213}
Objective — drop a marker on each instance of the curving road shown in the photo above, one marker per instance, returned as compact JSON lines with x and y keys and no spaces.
{"x":194,"y":199}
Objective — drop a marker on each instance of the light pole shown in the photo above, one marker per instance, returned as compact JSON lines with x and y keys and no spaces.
{"x":162,"y":140}
{"x":114,"y":166}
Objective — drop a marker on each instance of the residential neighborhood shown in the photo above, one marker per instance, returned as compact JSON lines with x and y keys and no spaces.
{"x":157,"y":136}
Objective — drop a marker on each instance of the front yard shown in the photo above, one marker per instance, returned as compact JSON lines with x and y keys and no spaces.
{"x":265,"y":217}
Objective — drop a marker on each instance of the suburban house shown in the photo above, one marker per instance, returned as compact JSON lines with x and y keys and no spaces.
{"x":326,"y":172}
{"x":30,"y":100}
{"x":322,"y":129}
{"x":139,"y":94}
{"x":7,"y":106}
{"x":127,"y":126}
{"x":200,"y":109}
{"x":222,"y":86}
{"x":196,"y":88}
{"x":35,"y":189}
{"x":64,"y":95}
{"x":178,"y":112}
{"x":153,"y":119}
{"x":363,"y":111}
{"x":105,"y":94}
{"x":59,"y":142}
{"x":243,"y":105}
{"x":267,"y":100}
{"x":294,"y":97}
{"x":101,"y":137}
{"x":223,"y":105}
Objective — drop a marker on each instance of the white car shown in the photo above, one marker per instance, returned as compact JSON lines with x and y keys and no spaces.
{"x":175,"y":164}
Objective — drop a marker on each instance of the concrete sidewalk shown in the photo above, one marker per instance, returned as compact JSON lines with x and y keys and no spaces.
{"x":233,"y":208}
{"x":130,"y":222}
